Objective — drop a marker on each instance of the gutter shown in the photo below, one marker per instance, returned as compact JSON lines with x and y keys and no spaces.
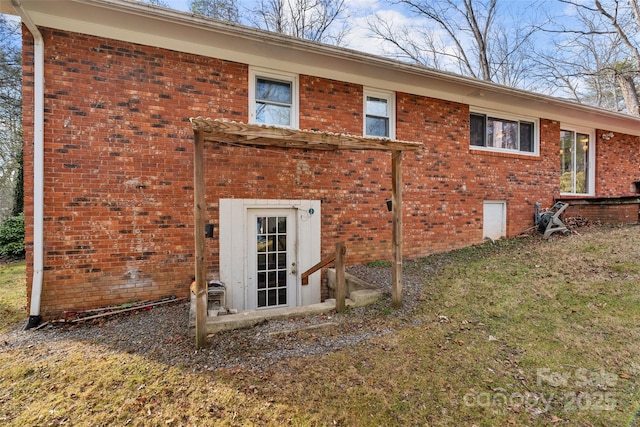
{"x":38,"y":165}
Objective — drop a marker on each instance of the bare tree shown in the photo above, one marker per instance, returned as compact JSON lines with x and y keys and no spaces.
{"x":579,"y":60}
{"x":615,"y":26}
{"x":317,"y":20}
{"x":225,"y":10}
{"x":462,"y":36}
{"x":10,"y":110}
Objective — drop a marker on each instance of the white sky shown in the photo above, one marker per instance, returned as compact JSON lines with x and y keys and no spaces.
{"x":360,"y":10}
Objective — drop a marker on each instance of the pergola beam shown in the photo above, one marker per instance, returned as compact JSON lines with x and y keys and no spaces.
{"x":241,"y":133}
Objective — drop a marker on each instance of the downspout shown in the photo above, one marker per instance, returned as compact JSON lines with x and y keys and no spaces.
{"x":38,"y":164}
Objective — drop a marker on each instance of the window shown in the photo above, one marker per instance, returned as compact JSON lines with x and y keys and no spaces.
{"x":379,"y":117}
{"x":273,"y":98}
{"x":503,"y":134}
{"x":574,"y":162}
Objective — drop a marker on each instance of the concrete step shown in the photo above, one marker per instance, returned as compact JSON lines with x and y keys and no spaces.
{"x":353,"y":283}
{"x":359,"y":293}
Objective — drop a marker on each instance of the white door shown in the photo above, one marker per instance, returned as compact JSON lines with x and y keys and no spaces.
{"x":494,"y":219}
{"x":272,"y":261}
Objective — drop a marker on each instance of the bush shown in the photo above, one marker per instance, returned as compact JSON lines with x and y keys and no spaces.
{"x":12,"y":237}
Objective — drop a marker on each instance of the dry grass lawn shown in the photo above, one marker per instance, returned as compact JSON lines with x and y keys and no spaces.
{"x":524,"y":332}
{"x":13,"y":294}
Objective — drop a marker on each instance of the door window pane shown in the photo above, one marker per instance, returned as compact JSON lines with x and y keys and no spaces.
{"x":271,"y":262}
{"x":262,"y":280}
{"x":582,"y":163}
{"x":262,"y":298}
{"x":273,"y":300}
{"x":282,"y":296}
{"x":574,"y":162}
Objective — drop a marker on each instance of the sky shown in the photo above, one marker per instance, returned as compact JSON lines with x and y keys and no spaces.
{"x":361,"y":10}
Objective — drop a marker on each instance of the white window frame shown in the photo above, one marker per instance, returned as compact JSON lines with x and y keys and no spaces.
{"x":390,"y":97}
{"x":511,"y":117}
{"x":591,"y":153}
{"x":293,"y":79}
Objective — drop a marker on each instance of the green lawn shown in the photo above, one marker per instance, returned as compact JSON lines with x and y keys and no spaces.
{"x":523,"y":332}
{"x":13,"y":294}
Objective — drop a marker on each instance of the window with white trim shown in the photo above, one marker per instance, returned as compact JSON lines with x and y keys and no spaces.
{"x":499,"y":132}
{"x":273,"y":98}
{"x":379,"y":113}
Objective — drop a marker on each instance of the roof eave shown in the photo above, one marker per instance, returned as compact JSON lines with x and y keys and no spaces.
{"x":156,"y":26}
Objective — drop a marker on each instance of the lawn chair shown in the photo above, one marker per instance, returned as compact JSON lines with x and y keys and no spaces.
{"x":549,"y":222}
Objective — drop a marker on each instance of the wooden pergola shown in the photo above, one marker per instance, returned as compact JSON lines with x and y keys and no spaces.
{"x":258,"y":135}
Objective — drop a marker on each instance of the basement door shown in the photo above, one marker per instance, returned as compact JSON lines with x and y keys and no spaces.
{"x":272,"y":261}
{"x":494,"y":223}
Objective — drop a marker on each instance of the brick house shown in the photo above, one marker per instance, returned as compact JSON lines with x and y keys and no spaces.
{"x":110,"y":86}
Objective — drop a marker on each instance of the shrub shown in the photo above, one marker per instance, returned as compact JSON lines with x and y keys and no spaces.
{"x":12,"y":237}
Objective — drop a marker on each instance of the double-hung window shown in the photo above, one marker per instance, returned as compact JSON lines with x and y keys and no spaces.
{"x":273,"y":98}
{"x":379,"y":114}
{"x":503,"y":133}
{"x":575,"y":173}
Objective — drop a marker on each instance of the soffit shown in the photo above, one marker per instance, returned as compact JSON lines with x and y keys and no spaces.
{"x":159,"y":27}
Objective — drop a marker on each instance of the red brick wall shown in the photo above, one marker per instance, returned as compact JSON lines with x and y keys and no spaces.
{"x":118,"y":175}
{"x":611,"y":214}
{"x":617,"y":165}
{"x":447,"y":182}
{"x":119,"y":180}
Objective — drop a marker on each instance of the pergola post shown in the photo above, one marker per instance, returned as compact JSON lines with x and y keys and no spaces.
{"x":199,"y":234}
{"x":396,"y":237}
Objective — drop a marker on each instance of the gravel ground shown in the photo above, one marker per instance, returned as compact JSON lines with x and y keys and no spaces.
{"x":162,"y":332}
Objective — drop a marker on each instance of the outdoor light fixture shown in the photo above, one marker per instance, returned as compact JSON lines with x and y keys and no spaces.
{"x":389,"y":204}
{"x":607,"y":136}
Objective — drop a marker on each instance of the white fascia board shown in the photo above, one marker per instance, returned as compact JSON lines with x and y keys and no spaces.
{"x":182,"y":32}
